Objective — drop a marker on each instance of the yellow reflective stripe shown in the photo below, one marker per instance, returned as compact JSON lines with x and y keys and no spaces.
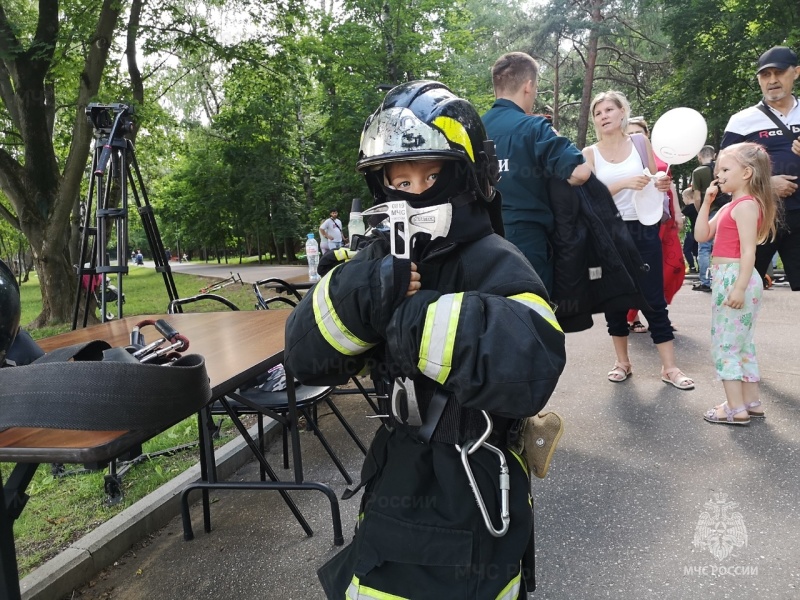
{"x":520,"y":460}
{"x":540,"y":306}
{"x":356,"y":591}
{"x":511,"y":591}
{"x":454,"y":131}
{"x":343,"y":254}
{"x":331,"y":326}
{"x":439,"y":337}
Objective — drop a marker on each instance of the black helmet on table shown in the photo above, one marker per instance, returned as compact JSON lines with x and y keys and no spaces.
{"x":9,"y":309}
{"x":424,"y":120}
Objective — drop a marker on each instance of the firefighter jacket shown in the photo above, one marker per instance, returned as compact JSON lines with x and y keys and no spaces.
{"x":596,"y":263}
{"x":482,"y":332}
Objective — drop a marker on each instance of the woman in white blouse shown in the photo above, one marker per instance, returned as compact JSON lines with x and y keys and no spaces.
{"x":616,"y":162}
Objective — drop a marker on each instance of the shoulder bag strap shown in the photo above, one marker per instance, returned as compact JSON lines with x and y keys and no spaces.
{"x":641,"y":148}
{"x":765,"y":109}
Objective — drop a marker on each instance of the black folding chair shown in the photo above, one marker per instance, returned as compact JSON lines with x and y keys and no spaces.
{"x":280,"y":286}
{"x":285,"y":407}
{"x":275,"y":404}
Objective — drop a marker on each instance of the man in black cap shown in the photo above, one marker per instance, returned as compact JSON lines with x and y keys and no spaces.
{"x":775,"y":124}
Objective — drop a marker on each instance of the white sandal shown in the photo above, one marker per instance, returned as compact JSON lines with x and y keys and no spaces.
{"x":620,"y":372}
{"x":677,"y":378}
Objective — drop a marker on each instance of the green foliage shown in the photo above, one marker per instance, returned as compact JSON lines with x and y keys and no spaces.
{"x":716,"y":44}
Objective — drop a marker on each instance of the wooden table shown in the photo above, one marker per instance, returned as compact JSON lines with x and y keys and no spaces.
{"x":236,"y":345}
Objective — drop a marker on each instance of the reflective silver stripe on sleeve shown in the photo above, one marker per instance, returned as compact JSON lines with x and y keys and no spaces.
{"x":537,"y":304}
{"x":439,"y":337}
{"x":331,"y":326}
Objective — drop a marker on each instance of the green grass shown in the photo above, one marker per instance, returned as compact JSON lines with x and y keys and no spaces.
{"x":145,"y":293}
{"x":62,"y":509}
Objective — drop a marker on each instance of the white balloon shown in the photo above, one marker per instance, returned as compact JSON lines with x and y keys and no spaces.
{"x":678,"y":135}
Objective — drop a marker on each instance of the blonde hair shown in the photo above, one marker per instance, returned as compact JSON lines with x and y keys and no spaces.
{"x":617,"y":98}
{"x":755,"y":157}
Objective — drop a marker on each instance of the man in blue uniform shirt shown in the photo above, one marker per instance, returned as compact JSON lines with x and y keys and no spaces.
{"x":775,"y":124}
{"x":529,"y":152}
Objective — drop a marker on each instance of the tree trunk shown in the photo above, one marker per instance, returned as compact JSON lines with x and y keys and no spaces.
{"x":42,"y":197}
{"x":56,"y":277}
{"x":588,"y":79}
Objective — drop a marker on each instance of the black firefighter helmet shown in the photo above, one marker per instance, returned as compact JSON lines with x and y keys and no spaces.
{"x":424,"y":120}
{"x":10,"y":309}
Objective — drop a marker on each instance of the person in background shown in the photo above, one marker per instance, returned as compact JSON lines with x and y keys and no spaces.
{"x":671,"y":251}
{"x":749,"y":219}
{"x":701,"y":178}
{"x":466,"y":325}
{"x":331,"y":230}
{"x":529,"y":152}
{"x":323,"y":241}
{"x":617,"y":163}
{"x":689,"y":211}
{"x":775,"y":123}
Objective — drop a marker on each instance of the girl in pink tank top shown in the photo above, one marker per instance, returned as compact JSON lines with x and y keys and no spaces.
{"x":744,"y":171}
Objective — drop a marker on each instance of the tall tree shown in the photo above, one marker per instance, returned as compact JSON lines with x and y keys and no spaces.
{"x":42,"y":192}
{"x":715,"y":45}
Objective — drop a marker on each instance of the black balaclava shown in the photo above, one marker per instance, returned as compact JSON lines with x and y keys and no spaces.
{"x":470,"y":216}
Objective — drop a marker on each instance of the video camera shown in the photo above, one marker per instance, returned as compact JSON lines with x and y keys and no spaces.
{"x":103,"y":116}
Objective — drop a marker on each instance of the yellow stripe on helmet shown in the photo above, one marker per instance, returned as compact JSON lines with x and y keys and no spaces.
{"x":455,"y":132}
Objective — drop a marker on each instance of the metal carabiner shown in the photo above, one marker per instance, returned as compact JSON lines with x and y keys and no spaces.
{"x":505,"y":480}
{"x":159,"y":352}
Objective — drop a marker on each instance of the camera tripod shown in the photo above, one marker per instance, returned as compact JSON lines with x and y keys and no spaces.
{"x":113,"y":150}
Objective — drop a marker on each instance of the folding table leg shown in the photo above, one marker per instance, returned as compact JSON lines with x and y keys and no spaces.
{"x":12,"y":501}
{"x":9,"y":576}
{"x":206,"y":457}
{"x":346,"y":426}
{"x":281,"y":486}
{"x":323,"y":440}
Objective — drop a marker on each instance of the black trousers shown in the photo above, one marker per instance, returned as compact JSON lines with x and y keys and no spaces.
{"x":787,"y":245}
{"x":651,"y":284}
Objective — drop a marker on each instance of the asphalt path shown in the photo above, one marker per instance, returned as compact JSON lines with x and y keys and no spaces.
{"x":644,"y":499}
{"x":250,"y":273}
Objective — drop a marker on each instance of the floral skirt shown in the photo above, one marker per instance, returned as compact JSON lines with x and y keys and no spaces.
{"x":732,"y":330}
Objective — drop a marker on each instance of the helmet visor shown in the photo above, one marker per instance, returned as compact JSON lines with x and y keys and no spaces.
{"x":398,"y":134}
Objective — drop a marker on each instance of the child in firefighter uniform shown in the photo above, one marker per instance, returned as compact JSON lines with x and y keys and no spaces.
{"x":461,"y":338}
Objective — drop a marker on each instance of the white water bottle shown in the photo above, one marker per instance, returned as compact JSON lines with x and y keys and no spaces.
{"x":356,"y":224}
{"x":312,"y":253}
